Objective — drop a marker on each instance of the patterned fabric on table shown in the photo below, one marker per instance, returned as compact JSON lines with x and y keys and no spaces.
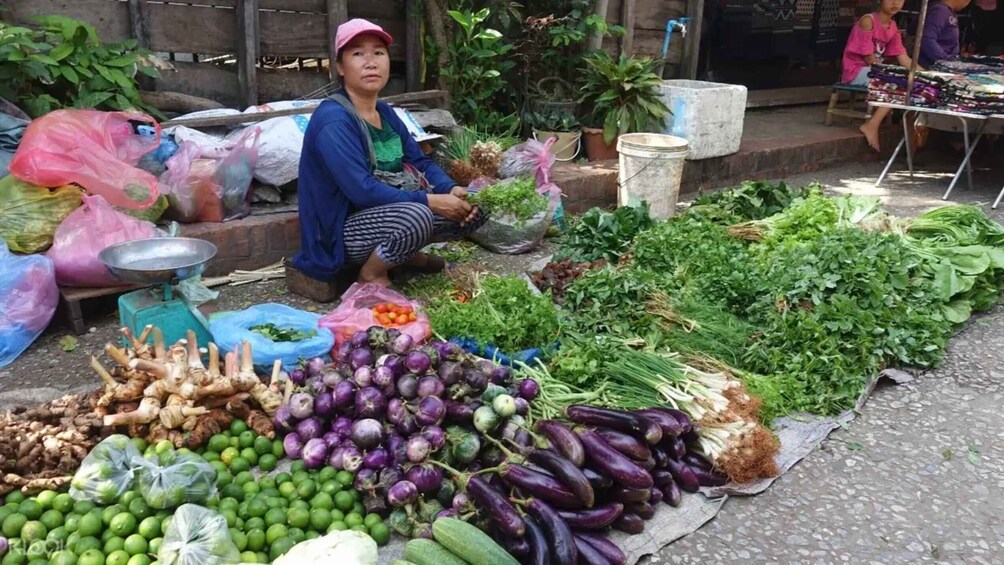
{"x":979,"y":94}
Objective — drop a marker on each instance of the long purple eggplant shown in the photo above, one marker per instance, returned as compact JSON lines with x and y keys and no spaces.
{"x":677,"y":448}
{"x":625,"y":443}
{"x":502,"y":512}
{"x":655,"y":497}
{"x":648,"y":464}
{"x":603,"y":544}
{"x":611,"y":462}
{"x":660,"y":456}
{"x":562,"y":438}
{"x":681,"y":418}
{"x":694,"y":460}
{"x":684,"y":476}
{"x":708,"y":478}
{"x":662,"y":477}
{"x":597,"y":479}
{"x":569,"y":474}
{"x":643,"y":509}
{"x":671,"y":427}
{"x":537,"y":484}
{"x":617,"y":420}
{"x":559,"y":535}
{"x":629,"y":495}
{"x":596,"y":518}
{"x":589,"y":555}
{"x":517,"y":547}
{"x":630,"y":524}
{"x":672,"y":495}
{"x":539,"y":552}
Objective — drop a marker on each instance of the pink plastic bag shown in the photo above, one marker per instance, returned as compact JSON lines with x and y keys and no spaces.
{"x":355,"y":313}
{"x":84,"y":234}
{"x":97,"y":150}
{"x":529,"y":157}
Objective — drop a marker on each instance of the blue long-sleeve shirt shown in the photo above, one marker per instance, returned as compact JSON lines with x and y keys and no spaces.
{"x":941,"y":35}
{"x":335,"y":180}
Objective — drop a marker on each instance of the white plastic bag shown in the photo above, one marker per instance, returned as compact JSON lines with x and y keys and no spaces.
{"x":197,"y":536}
{"x":188,"y":478}
{"x":281,"y":142}
{"x":106,"y":472}
{"x":342,"y":547}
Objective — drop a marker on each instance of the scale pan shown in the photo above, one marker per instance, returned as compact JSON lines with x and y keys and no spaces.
{"x":156,"y":260}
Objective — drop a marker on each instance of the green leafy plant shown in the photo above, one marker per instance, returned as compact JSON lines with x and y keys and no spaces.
{"x":478,"y":59}
{"x":517,"y":198}
{"x":622,"y":94}
{"x":554,"y":38}
{"x":751,"y":200}
{"x":63,"y":64}
{"x":552,"y":120}
{"x":605,"y":235}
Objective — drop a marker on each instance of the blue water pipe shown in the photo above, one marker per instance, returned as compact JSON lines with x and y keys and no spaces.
{"x":671,"y":25}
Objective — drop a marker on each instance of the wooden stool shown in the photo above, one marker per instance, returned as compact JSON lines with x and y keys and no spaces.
{"x":70,"y":299}
{"x":849,"y":112}
{"x":301,"y":284}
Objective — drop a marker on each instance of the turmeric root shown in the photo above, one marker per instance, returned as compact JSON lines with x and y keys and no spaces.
{"x":11,"y":481}
{"x":261,"y":424}
{"x":206,"y":426}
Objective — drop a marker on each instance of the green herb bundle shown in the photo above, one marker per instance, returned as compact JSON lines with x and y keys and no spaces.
{"x":749,"y":201}
{"x":503,"y":312}
{"x":517,"y":198}
{"x":278,"y":334}
{"x":605,"y":235}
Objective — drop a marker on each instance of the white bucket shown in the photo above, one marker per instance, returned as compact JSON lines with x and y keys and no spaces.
{"x":651,"y":167}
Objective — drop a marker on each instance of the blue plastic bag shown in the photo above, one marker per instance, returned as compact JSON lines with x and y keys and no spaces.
{"x":28,"y":299}
{"x":489,"y":351}
{"x":230,"y":328}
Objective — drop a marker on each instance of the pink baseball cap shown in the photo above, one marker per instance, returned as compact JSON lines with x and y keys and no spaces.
{"x":358,"y":26}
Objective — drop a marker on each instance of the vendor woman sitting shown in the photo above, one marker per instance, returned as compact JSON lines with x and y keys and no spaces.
{"x":368,"y":195}
{"x":872,"y":39}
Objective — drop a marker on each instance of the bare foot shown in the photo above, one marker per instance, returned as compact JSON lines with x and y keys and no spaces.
{"x":871,"y":135}
{"x":383,"y":280}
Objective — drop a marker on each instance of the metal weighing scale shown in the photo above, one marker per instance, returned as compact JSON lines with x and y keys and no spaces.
{"x":160,"y":262}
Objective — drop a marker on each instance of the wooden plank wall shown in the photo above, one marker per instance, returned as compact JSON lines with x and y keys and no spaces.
{"x":287,"y":28}
{"x":650,"y":18}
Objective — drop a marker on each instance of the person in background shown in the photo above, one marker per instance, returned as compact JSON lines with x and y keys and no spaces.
{"x":368,"y":195}
{"x":872,"y":40}
{"x":941,"y":31}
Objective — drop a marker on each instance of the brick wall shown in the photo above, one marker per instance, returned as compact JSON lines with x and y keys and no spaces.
{"x":249,"y":243}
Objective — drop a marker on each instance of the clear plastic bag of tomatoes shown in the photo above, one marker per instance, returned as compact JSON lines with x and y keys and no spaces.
{"x":366,"y":305}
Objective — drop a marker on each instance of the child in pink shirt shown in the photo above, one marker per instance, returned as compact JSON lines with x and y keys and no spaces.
{"x":874,"y":38}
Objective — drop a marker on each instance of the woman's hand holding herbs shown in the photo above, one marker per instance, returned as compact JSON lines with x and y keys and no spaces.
{"x":451,"y":207}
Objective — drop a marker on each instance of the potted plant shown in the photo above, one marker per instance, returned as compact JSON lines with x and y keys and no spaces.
{"x":618,"y":96}
{"x":560,"y":124}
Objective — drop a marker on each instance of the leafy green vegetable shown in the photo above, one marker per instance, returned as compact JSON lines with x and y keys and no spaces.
{"x":517,"y":198}
{"x":605,"y":235}
{"x":503,"y":311}
{"x":275,"y":333}
{"x":752,"y":200}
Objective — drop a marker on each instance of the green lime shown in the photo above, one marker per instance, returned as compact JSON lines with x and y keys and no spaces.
{"x":229,"y":504}
{"x":254,"y":524}
{"x":249,"y":557}
{"x":239,"y":524}
{"x":212,"y":457}
{"x":283,"y":478}
{"x":250,"y":488}
{"x":107,"y":535}
{"x":353,"y":519}
{"x":346,"y":478}
{"x":82,"y":507}
{"x":257,"y":507}
{"x":337,"y":525}
{"x":232,"y":490}
{"x":275,"y":516}
{"x":297,"y":535}
{"x":237,"y":427}
{"x":164,"y":525}
{"x":297,"y":466}
{"x":271,"y":492}
{"x":256,"y":539}
{"x":140,"y":560}
{"x":311,"y":535}
{"x":63,"y":557}
{"x":274,"y":532}
{"x":355,"y":495}
{"x":280,"y":547}
{"x":337,"y":515}
{"x":140,"y":444}
{"x":298,"y":518}
{"x":163,"y":446}
{"x":306,"y":489}
{"x":13,"y":524}
{"x":262,"y":557}
{"x":322,"y":500}
{"x":7,"y":510}
{"x":239,"y":539}
{"x":300,"y":476}
{"x":267,"y":462}
{"x":344,"y":501}
{"x":123,"y":524}
{"x":246,"y":439}
{"x":235,"y":443}
{"x":136,"y":544}
{"x":327,"y":473}
{"x":86,"y":544}
{"x":71,"y":523}
{"x":114,"y":544}
{"x":63,"y":502}
{"x":320,"y":519}
{"x":331,"y":487}
{"x":230,"y":516}
{"x":117,"y":557}
{"x":46,"y":497}
{"x":360,"y":528}
{"x":58,"y":534}
{"x":111,"y":512}
{"x":262,"y":445}
{"x":52,"y":519}
{"x":33,"y":531}
{"x":300,"y":505}
{"x":223,"y":478}
{"x":358,"y":508}
{"x":380,"y":533}
{"x":155,"y":545}
{"x":288,"y":490}
{"x":31,"y":508}
{"x":140,"y":509}
{"x":242,"y":510}
{"x":90,"y":525}
{"x":149,"y":527}
{"x":127,"y":497}
{"x":217,"y":443}
{"x":371,"y":520}
{"x":228,"y":455}
{"x":16,"y":497}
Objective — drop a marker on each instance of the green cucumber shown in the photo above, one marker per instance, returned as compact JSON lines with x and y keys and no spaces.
{"x":469,"y":542}
{"x":427,"y":552}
